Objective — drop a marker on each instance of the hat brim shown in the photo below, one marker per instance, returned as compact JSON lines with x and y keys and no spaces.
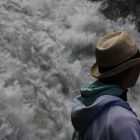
{"x":95,"y":69}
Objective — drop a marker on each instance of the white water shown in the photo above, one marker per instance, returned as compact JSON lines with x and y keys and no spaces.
{"x":46,"y":50}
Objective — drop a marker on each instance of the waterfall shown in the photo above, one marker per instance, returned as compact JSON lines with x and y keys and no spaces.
{"x":46,"y":51}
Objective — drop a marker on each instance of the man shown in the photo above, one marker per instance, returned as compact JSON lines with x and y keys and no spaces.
{"x":101,"y":112}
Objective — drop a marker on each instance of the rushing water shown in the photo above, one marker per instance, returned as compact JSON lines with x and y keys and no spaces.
{"x":46,"y":50}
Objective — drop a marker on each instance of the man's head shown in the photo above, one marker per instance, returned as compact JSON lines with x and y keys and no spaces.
{"x":124,"y":79}
{"x":116,"y":56}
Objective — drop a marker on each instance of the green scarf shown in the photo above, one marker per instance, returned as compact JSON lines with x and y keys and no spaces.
{"x":91,"y":92}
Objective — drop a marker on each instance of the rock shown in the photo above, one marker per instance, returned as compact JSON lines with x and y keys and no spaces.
{"x":114,"y":9}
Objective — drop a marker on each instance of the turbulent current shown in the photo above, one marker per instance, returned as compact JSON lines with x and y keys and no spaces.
{"x":46,"y":51}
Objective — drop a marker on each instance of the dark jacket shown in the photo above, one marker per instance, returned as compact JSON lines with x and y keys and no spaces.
{"x":107,"y":118}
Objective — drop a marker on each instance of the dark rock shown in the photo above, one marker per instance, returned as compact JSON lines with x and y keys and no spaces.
{"x":114,"y":9}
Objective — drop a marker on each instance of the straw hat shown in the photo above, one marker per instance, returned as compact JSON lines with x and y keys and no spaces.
{"x":115,"y":53}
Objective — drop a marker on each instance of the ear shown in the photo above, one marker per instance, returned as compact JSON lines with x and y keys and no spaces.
{"x":131,"y":77}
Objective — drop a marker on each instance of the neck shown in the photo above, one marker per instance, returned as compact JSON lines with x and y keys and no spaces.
{"x":124,"y":95}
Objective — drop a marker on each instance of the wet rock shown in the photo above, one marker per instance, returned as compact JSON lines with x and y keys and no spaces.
{"x":114,"y":9}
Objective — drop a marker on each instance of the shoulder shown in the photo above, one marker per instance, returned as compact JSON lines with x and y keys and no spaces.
{"x":117,"y":111}
{"x":120,"y":114}
{"x":123,"y":124}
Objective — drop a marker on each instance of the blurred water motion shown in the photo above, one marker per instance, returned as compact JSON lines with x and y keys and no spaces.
{"x":46,"y":50}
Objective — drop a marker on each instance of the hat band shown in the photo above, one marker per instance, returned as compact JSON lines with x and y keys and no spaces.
{"x":105,"y":69}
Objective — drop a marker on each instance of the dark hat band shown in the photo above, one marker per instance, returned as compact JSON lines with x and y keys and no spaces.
{"x":106,"y":69}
